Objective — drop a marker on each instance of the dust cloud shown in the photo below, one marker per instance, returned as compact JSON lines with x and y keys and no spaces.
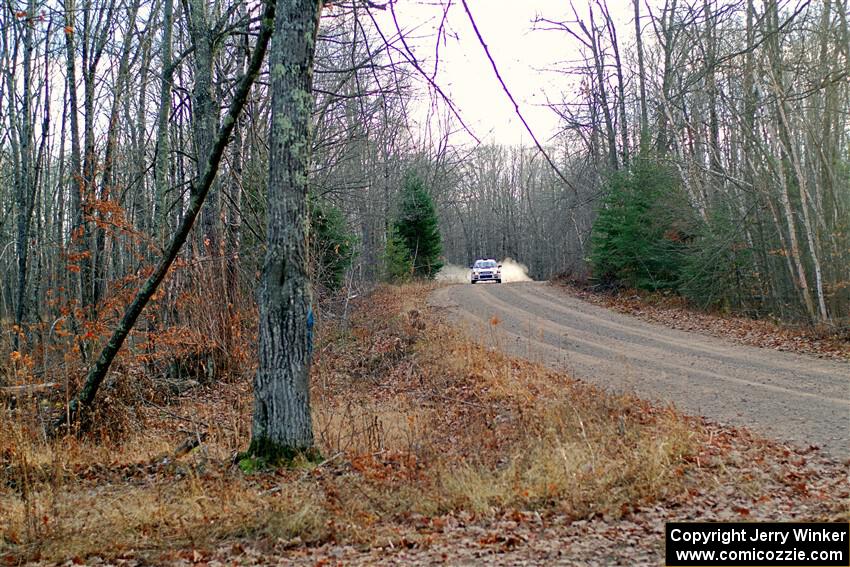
{"x":512,"y":271}
{"x":452,"y":273}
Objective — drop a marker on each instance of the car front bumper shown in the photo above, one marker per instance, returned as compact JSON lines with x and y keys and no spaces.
{"x":486,"y":276}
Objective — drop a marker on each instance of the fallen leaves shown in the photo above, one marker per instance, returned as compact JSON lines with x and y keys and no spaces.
{"x":365,"y":505}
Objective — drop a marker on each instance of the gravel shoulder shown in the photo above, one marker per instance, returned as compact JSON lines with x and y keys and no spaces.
{"x":785,"y":396}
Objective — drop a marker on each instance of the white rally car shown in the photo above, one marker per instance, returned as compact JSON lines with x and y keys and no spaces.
{"x":486,"y":271}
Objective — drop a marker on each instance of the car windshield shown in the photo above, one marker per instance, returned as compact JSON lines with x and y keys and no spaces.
{"x":485,"y":264}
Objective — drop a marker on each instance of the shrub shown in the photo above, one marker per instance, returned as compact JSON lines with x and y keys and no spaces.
{"x":719,"y":270}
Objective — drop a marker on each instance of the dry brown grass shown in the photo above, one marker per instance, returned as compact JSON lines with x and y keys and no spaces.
{"x":414,"y":419}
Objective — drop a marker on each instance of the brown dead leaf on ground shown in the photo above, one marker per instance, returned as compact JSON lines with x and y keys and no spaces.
{"x":438,"y":451}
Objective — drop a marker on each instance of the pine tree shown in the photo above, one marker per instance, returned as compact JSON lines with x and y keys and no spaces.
{"x":398,"y":266}
{"x":638,"y":237}
{"x":418,"y":228}
{"x":331,"y":243}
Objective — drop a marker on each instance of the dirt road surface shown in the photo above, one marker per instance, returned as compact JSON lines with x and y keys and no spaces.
{"x":788,"y":397}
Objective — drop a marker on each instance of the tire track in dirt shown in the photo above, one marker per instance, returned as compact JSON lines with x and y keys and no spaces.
{"x":652,"y":356}
{"x":664,"y":335}
{"x":657,"y":343}
{"x":789,"y":397}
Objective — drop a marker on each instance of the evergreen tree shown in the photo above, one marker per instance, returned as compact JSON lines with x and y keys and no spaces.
{"x":398,"y":266}
{"x":331,"y":243}
{"x":418,"y":228}
{"x":638,"y":237}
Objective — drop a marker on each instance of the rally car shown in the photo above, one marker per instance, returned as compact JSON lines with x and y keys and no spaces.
{"x":486,"y":271}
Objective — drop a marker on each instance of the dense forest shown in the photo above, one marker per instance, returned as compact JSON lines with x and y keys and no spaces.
{"x":705,"y":152}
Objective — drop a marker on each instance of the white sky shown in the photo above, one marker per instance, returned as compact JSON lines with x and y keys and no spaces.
{"x":525,"y":58}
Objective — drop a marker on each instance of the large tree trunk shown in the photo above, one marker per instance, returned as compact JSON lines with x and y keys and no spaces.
{"x":282,"y":420}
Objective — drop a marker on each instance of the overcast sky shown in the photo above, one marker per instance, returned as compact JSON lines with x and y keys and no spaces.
{"x":526,"y":58}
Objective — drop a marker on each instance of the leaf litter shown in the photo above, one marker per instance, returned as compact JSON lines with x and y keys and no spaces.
{"x":425,"y":466}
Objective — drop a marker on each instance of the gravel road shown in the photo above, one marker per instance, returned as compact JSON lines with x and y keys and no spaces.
{"x":788,"y":397}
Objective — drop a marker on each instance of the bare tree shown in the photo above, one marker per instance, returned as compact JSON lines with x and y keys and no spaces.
{"x":83,"y":400}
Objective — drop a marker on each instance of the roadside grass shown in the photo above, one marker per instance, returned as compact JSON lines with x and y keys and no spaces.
{"x":414,"y":419}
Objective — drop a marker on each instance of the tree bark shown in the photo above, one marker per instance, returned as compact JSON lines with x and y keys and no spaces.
{"x":161,"y":159}
{"x":204,"y":114}
{"x":804,"y":205}
{"x":107,"y":181}
{"x":282,"y":421}
{"x":621,"y":88}
{"x":25,"y":180}
{"x":644,"y":115}
{"x":599,"y":65}
{"x":95,"y":35}
{"x":234,"y":229}
{"x":667,"y":38}
{"x":711,"y":90}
